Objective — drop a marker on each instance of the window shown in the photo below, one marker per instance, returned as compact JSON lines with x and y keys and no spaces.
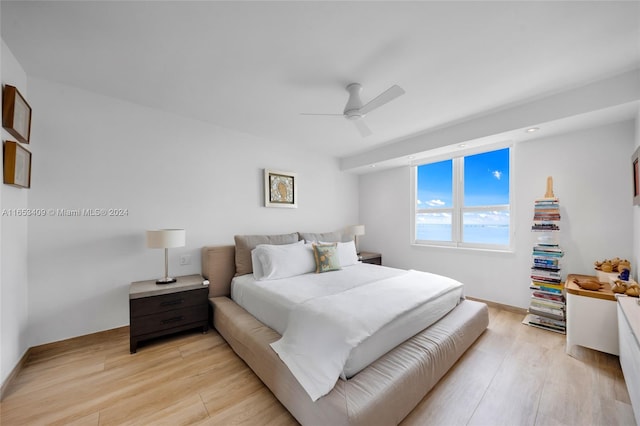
{"x":464,"y":201}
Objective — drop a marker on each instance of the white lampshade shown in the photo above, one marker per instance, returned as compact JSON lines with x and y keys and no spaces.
{"x":166,"y":238}
{"x":357,"y":229}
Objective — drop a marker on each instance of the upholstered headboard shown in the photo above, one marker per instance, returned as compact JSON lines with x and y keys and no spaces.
{"x":218,"y":266}
{"x":221,"y":263}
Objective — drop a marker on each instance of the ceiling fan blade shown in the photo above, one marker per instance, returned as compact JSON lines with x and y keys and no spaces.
{"x":311,"y":113}
{"x":386,"y":96}
{"x":362,"y":128}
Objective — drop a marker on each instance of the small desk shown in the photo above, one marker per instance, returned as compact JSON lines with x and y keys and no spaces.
{"x":591,"y":317}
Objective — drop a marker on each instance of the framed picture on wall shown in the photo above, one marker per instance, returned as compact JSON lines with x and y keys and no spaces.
{"x":17,"y":165}
{"x":280,"y":189}
{"x":16,"y":114}
{"x":636,"y":177}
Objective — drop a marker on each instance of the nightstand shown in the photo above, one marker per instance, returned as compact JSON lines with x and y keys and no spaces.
{"x":369,"y":257}
{"x":158,"y":310}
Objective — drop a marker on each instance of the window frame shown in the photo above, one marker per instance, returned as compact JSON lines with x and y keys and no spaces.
{"x":458,"y":209}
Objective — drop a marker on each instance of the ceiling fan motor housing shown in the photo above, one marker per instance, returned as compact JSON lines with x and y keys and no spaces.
{"x":352,"y":109}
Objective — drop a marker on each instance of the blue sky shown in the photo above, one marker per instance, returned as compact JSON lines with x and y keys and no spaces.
{"x":486,"y":181}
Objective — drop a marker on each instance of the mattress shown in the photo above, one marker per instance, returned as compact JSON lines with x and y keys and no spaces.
{"x":271,"y":302}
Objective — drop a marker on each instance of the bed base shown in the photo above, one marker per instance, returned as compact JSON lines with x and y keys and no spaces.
{"x":381,"y":394}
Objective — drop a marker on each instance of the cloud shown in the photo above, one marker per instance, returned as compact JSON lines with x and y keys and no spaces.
{"x":497,"y":174}
{"x":436,"y":203}
{"x":442,"y":218}
{"x":487,"y":218}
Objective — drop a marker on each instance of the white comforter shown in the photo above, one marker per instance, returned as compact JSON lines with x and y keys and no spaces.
{"x":322,"y":331}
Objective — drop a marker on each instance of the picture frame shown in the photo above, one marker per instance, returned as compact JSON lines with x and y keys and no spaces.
{"x":636,"y":177}
{"x":280,"y":189}
{"x":16,"y":114}
{"x":17,"y":165}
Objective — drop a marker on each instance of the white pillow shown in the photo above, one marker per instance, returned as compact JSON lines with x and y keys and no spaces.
{"x":256,"y":265}
{"x":347,"y":253}
{"x":282,"y":261}
{"x":256,"y":262}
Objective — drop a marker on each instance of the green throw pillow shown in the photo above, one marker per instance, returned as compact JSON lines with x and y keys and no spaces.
{"x":326,"y":257}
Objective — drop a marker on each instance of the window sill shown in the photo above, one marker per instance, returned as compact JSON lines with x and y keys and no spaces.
{"x":463,"y":248}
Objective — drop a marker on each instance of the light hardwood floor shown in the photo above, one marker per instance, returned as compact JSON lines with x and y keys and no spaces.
{"x":513,"y":375}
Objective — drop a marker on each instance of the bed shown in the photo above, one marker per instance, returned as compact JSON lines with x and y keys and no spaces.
{"x":370,"y":393}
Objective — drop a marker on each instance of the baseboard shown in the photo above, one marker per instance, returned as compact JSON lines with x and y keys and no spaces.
{"x":509,"y":308}
{"x":61,"y":344}
{"x":4,"y":390}
{"x":78,"y":341}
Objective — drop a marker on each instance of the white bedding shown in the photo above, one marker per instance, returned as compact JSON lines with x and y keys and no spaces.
{"x":322,"y":331}
{"x":272,"y":301}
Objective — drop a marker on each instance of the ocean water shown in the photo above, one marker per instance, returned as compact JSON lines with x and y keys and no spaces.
{"x":485,"y":234}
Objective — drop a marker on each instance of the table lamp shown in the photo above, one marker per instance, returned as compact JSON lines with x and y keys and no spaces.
{"x":357,"y":230}
{"x":166,"y":239}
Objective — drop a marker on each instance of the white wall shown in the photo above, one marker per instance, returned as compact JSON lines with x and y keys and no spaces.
{"x":591,"y":177}
{"x":167,"y":171}
{"x":636,"y":217}
{"x":13,"y":245}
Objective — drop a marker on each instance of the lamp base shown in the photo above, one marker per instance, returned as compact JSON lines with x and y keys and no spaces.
{"x":166,"y":280}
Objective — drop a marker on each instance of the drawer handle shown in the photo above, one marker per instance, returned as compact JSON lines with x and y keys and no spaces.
{"x":172,"y":302}
{"x":174,"y":319}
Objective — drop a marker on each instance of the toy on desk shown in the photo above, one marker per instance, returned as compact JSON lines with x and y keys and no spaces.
{"x":619,"y":287}
{"x":633,"y":290}
{"x":605,"y":266}
{"x":625,"y":285}
{"x":624,"y":274}
{"x":588,"y":284}
{"x":612,"y":265}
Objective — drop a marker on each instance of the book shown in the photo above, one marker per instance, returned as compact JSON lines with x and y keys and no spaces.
{"x":546,"y":281}
{"x":546,"y":216}
{"x":547,"y":253}
{"x":547,"y":248}
{"x":531,"y":320}
{"x":545,"y":313}
{"x":547,"y":321}
{"x":547,"y":304}
{"x":548,"y":261}
{"x":549,"y":288}
{"x":545,"y":227}
{"x":541,"y":294}
{"x":555,"y":286}
{"x":547,"y":308}
{"x":546,"y":272}
{"x":546,"y":268}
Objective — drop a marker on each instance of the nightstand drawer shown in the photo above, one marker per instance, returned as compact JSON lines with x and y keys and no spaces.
{"x":168,"y":302}
{"x":169,"y":319}
{"x":369,"y":257}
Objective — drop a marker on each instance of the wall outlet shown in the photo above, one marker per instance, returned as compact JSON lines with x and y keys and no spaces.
{"x":185,"y":259}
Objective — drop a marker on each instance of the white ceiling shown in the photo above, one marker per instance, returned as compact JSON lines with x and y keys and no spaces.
{"x":255,"y":66}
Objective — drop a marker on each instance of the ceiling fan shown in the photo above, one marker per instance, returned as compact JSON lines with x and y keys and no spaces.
{"x":355,"y":110}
